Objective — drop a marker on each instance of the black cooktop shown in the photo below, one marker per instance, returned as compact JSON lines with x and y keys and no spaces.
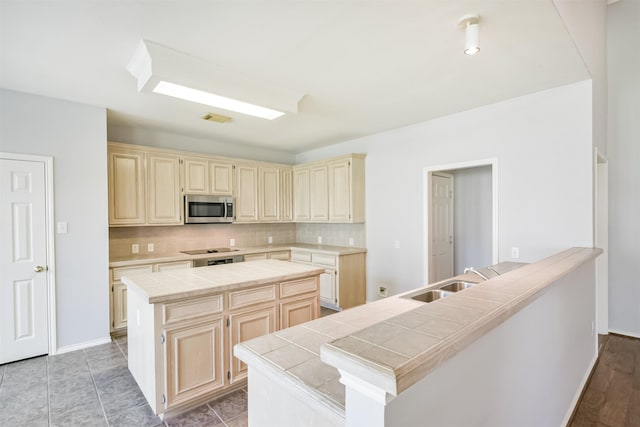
{"x":209,"y":251}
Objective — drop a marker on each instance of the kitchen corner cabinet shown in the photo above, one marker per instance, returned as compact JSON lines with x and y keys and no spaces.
{"x":343,"y":284}
{"x":118,"y":300}
{"x":330,"y":191}
{"x":181,"y":353}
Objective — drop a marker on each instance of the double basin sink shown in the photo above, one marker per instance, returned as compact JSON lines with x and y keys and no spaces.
{"x":447,"y":288}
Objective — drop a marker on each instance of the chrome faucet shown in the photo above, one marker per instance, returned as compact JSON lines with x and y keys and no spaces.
{"x":473,"y":270}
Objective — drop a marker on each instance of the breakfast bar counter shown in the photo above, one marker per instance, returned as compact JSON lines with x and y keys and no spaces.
{"x":394,"y":361}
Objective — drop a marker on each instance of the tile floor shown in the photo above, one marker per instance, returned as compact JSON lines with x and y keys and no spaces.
{"x":93,"y":387}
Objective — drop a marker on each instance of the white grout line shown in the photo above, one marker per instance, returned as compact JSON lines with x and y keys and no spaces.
{"x":217,"y":415}
{"x":48,"y":392}
{"x":121,"y":350}
{"x":95,"y":387}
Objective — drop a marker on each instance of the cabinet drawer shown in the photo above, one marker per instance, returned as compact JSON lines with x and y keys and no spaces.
{"x":123,"y":271}
{"x":300,"y":256}
{"x":322,"y":259}
{"x":246,"y":297}
{"x":297,"y":287}
{"x":185,"y":310}
{"x":283,"y":255}
{"x":176,"y":265}
{"x":255,"y":257}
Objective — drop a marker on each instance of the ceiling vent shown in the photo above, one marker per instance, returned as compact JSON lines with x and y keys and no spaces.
{"x":218,"y":118}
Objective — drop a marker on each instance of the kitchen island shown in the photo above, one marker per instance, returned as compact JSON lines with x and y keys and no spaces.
{"x":516,"y":349}
{"x":183,"y":324}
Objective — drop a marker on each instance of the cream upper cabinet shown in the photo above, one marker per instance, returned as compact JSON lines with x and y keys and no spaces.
{"x":196,"y":175}
{"x":126,"y":186}
{"x":269,"y":194}
{"x":246,"y":205}
{"x":286,"y":194}
{"x":221,"y":178}
{"x":319,"y":193}
{"x":301,"y":183}
{"x":163,"y":188}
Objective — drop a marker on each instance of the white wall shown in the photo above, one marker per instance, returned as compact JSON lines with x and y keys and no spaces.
{"x":75,"y":136}
{"x":544,"y":149}
{"x":162,"y":139}
{"x":586,"y":22}
{"x":472,"y":218}
{"x":624,"y":171}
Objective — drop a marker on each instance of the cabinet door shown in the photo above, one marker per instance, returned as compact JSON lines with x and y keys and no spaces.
{"x":319,"y":202}
{"x":188,"y":377}
{"x":163,"y":184}
{"x":119,"y":308}
{"x":196,"y":176}
{"x":269,"y":194}
{"x":174,"y":265}
{"x":246,"y":193}
{"x":286,"y":194}
{"x":221,"y":178}
{"x":301,"y":187}
{"x":246,"y":326}
{"x":281,"y":255}
{"x":340,"y":191}
{"x":328,"y":287}
{"x":126,"y":187}
{"x":296,"y":311}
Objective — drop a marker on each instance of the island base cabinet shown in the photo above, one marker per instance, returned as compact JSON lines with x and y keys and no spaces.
{"x":189,"y":377}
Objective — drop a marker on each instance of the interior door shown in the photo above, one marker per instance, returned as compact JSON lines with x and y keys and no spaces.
{"x":23,"y":254}
{"x":441,"y":266}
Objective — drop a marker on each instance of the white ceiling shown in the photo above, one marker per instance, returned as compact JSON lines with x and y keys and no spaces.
{"x":365,"y":66}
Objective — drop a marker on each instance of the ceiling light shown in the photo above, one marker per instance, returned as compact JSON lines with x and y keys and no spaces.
{"x":471,"y":26}
{"x":206,"y":98}
{"x":159,"y":69}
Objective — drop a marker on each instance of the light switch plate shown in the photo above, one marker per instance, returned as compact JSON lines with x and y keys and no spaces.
{"x":232,"y":242}
{"x":515,"y":253}
{"x":150,"y":247}
{"x":135,"y":248}
{"x":62,"y":227}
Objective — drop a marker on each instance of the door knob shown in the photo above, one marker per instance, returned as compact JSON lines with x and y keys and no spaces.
{"x":38,"y":269}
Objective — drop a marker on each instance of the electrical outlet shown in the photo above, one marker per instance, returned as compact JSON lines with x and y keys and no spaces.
{"x":150,"y":247}
{"x":382,"y":291}
{"x":232,"y":242}
{"x":396,"y":244}
{"x":270,"y":239}
{"x":135,"y":248}
{"x":350,"y":241}
{"x":319,"y":240}
{"x":515,"y":253}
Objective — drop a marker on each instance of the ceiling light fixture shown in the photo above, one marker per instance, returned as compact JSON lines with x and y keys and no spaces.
{"x":471,"y":26}
{"x":165,"y":71}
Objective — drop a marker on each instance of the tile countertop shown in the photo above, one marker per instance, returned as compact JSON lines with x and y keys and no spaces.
{"x":167,"y":286}
{"x":131,"y":260}
{"x":396,"y":341}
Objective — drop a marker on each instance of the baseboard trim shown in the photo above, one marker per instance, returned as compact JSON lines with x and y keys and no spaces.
{"x":628,"y":334}
{"x":576,"y":399}
{"x":83,"y":345}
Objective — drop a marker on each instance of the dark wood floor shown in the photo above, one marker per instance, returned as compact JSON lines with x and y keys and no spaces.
{"x":612,"y":396}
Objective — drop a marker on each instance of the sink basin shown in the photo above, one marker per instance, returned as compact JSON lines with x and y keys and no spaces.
{"x":457,"y":286}
{"x":430,"y":296}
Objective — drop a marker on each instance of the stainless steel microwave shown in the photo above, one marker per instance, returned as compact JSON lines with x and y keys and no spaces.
{"x":203,"y":209}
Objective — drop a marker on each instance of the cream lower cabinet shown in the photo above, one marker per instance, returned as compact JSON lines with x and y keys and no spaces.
{"x":343,"y":284}
{"x":118,"y":300}
{"x":181,"y":353}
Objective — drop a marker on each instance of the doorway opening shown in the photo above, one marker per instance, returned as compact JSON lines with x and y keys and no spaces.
{"x":460,"y":218}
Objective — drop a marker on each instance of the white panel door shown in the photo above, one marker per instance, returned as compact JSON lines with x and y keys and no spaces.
{"x":23,"y":254}
{"x":441,"y":227}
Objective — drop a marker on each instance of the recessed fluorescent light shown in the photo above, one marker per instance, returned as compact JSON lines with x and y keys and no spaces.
{"x":206,"y":98}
